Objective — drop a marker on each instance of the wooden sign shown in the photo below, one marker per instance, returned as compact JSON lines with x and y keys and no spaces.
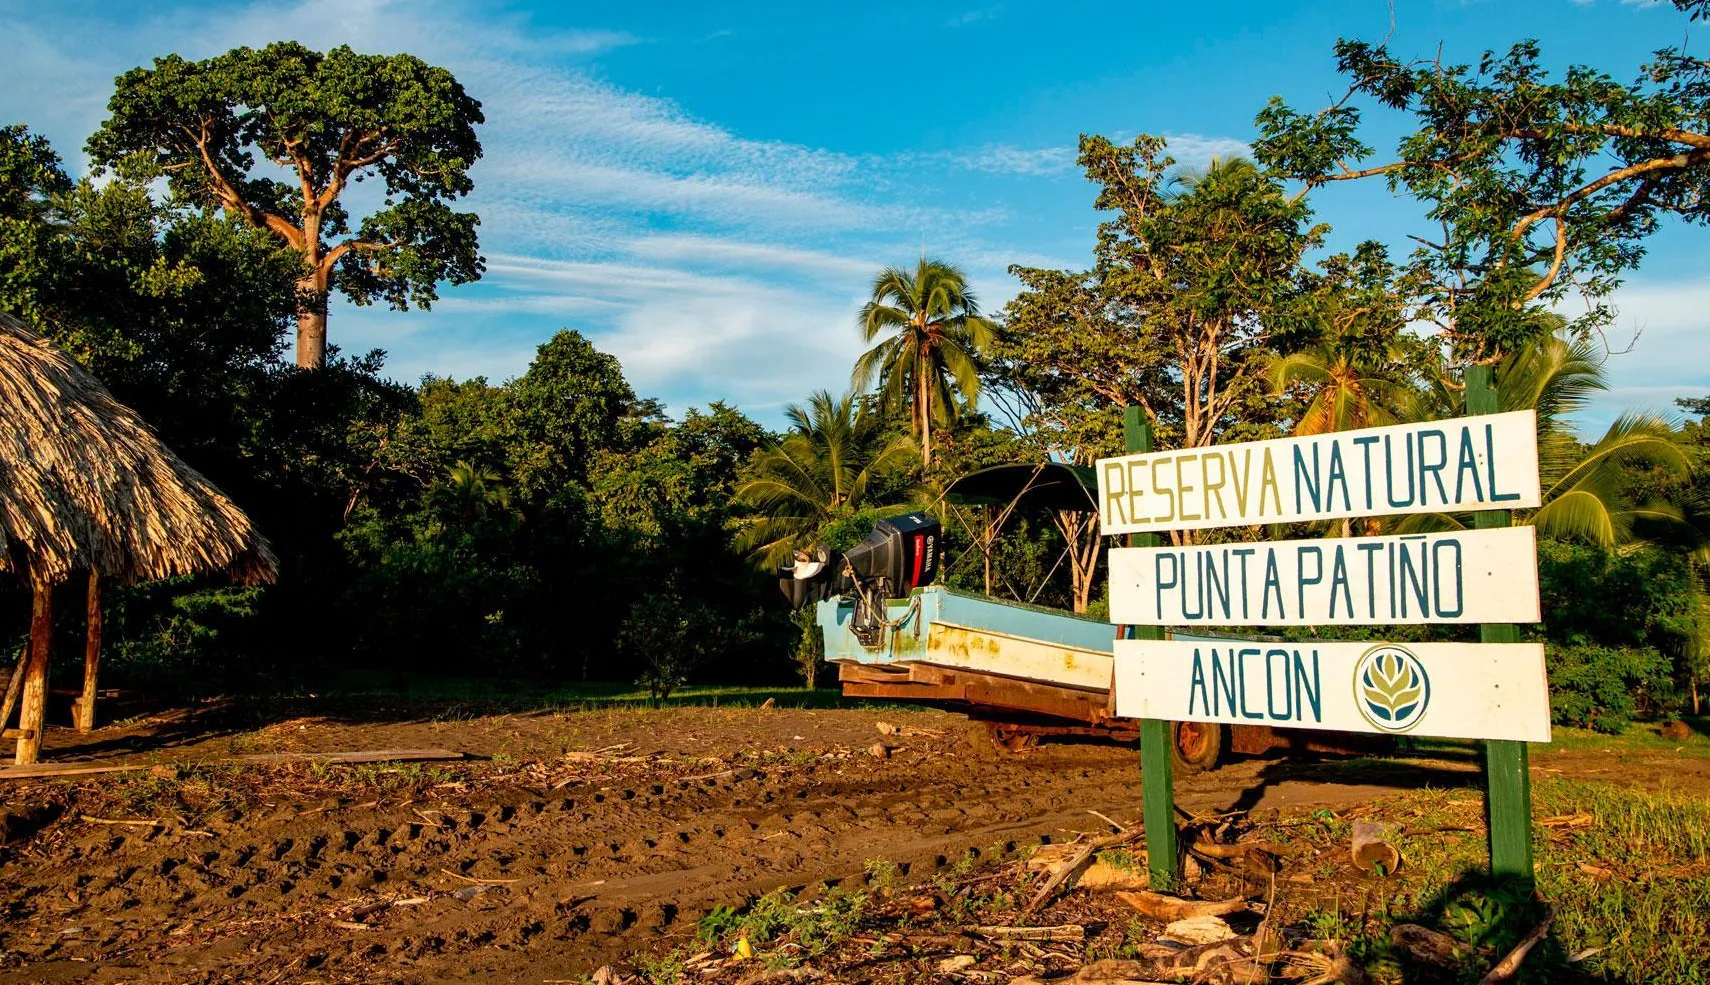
{"x":1448,"y":690}
{"x":1474,"y":463}
{"x":1467,"y":576}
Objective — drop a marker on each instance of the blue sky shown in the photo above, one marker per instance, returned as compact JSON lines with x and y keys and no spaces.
{"x":704,"y":188}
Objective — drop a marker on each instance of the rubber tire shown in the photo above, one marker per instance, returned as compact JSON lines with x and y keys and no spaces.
{"x":1197,"y":747}
{"x":1013,"y":741}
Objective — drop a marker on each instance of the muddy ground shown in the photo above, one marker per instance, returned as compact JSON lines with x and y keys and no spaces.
{"x":578,"y":839}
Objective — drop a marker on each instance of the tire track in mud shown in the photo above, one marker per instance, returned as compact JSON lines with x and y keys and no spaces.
{"x":591,"y":872}
{"x":580,"y":876}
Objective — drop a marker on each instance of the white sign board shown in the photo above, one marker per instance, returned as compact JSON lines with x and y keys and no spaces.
{"x":1472,"y":463}
{"x":1449,"y":690}
{"x":1467,"y":576}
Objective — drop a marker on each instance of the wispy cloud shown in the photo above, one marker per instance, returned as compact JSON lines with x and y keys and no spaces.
{"x":1192,"y":149}
{"x":974,"y":16}
{"x":714,"y":263}
{"x":1003,"y":159}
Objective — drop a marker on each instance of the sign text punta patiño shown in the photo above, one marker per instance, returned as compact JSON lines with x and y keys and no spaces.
{"x":1462,"y":576}
{"x":1473,"y":463}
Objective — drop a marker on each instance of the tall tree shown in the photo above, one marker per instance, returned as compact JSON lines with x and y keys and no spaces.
{"x":324,"y":122}
{"x":939,"y":334}
{"x":1211,"y":267}
{"x":1536,"y":185}
{"x":835,"y":453}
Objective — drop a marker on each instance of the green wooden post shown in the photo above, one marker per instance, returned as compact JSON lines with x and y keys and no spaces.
{"x":1157,"y":771}
{"x":1507,"y":775}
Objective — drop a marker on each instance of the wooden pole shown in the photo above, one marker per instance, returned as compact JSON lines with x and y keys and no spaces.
{"x":91,"y":655}
{"x":1157,"y":771}
{"x":1507,"y":773}
{"x":13,"y":686}
{"x":34,"y":710}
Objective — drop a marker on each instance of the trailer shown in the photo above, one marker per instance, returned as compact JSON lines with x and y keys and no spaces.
{"x":1025,"y":670}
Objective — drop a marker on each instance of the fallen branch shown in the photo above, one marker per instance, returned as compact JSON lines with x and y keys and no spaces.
{"x":1171,"y":908}
{"x":1066,"y":871}
{"x":1505,"y":970}
{"x":150,"y":823}
{"x":1072,"y":932}
{"x":478,"y":882}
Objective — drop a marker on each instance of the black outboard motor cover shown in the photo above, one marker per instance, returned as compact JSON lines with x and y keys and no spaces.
{"x":899,"y":556}
{"x":902,"y":551}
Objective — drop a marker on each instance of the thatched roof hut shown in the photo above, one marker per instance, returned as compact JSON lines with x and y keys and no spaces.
{"x":85,"y":486}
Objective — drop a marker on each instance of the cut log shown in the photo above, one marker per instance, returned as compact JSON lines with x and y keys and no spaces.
{"x":38,"y":771}
{"x":1427,"y":946}
{"x":31,"y":716}
{"x":1372,"y":850}
{"x":1172,"y":908}
{"x":85,"y":707}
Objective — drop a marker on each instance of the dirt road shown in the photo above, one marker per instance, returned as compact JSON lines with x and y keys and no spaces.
{"x":585,"y":838}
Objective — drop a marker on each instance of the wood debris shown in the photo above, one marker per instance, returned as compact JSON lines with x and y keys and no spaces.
{"x":1170,"y":908}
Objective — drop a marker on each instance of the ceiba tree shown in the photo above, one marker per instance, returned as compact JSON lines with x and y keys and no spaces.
{"x":277,"y":136}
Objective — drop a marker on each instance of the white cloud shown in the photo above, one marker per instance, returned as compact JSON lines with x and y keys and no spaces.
{"x":1195,"y":149}
{"x":1666,"y":359}
{"x":1003,"y":159}
{"x":708,"y":250}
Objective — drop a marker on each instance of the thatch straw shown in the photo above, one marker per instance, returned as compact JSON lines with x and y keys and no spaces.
{"x":85,"y":485}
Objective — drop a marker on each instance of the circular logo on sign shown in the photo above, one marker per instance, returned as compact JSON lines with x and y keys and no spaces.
{"x":1391,"y":688}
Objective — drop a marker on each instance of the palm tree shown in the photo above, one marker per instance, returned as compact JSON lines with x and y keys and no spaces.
{"x":1583,"y":485}
{"x":823,"y":469}
{"x":1346,"y":392}
{"x":939,"y":333}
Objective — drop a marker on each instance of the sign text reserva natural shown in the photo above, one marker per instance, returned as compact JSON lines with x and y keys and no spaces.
{"x":1464,"y":576}
{"x":1488,"y":462}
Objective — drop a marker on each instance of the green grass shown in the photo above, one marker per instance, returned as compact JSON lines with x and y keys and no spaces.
{"x":1631,"y":889}
{"x":1642,"y":738}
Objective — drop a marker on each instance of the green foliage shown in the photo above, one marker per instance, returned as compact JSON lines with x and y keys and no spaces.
{"x":816,"y":927}
{"x":1535,"y":184}
{"x":1617,"y":622}
{"x":661,"y":638}
{"x":1602,"y":687}
{"x":934,"y":355}
{"x":171,"y":636}
{"x":838,"y":457}
{"x":1197,"y":282}
{"x":327,"y":120}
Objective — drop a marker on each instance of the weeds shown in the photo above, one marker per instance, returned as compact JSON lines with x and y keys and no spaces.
{"x":793,"y":930}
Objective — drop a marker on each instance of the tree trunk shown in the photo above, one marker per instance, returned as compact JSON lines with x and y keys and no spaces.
{"x":312,"y":321}
{"x":34,"y":711}
{"x":91,"y":655}
{"x":924,"y":402}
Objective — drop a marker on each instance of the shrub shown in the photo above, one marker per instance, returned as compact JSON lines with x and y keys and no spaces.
{"x":1601,"y":687}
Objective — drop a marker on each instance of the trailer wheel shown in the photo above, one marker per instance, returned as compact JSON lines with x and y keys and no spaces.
{"x":1009,"y":739}
{"x":1197,"y":746}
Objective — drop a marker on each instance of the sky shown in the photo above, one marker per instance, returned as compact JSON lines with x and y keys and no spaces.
{"x":705,"y":189}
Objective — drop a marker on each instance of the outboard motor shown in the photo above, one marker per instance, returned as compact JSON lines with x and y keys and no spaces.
{"x":899,"y":556}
